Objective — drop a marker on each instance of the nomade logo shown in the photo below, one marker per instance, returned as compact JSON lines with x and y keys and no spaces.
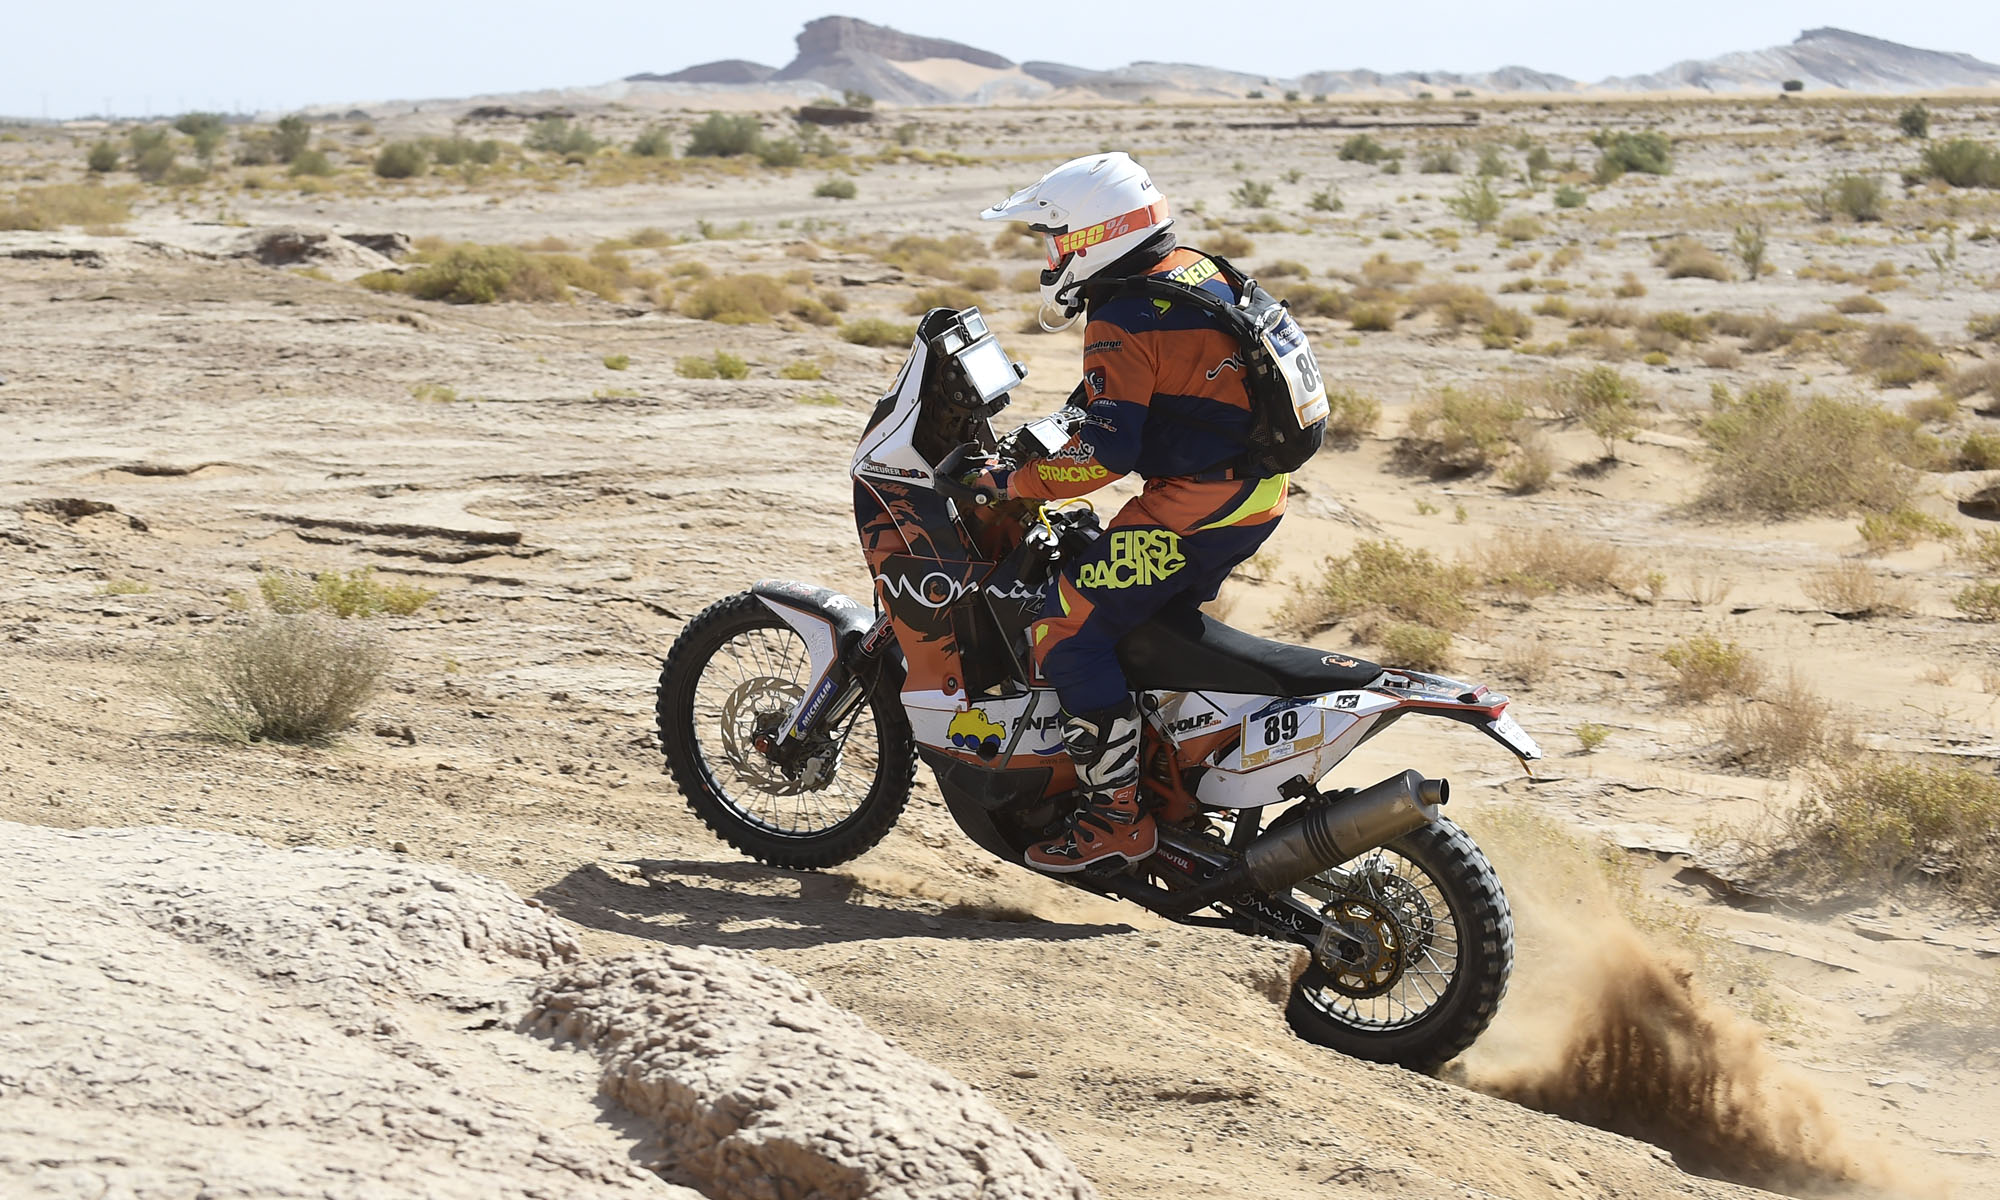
{"x":973,"y":730}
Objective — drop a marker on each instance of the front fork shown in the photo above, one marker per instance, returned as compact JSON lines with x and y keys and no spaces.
{"x":844,"y":688}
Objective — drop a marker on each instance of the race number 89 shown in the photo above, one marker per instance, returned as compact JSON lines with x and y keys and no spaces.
{"x":1281,"y":728}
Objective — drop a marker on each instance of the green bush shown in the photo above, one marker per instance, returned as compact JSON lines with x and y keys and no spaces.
{"x":450,"y":152}
{"x":1252,"y":193}
{"x":1438,"y":162}
{"x":729,"y":366}
{"x":311,"y":162}
{"x":291,"y":138}
{"x":1384,"y":580}
{"x":1415,"y":647}
{"x":401,"y":160}
{"x":738,"y":299}
{"x":653,"y":142}
{"x":355,"y":594}
{"x":873,"y":331}
{"x":1980,"y":602}
{"x":617,"y":362}
{"x":1915,"y":121}
{"x":1475,"y":202}
{"x":1326,"y":200}
{"x":103,"y":158}
{"x":1984,"y":327}
{"x":556,"y":135}
{"x":801,"y":369}
{"x":1962,"y":162}
{"x":151,"y":152}
{"x":836,"y":188}
{"x":1780,"y":456}
{"x":1649,"y":153}
{"x":722,"y":136}
{"x":474,"y":274}
{"x":1704,"y":666}
{"x":1363,"y":149}
{"x":1883,"y":822}
{"x":1856,"y":197}
{"x":784,"y":152}
{"x":1569,"y":197}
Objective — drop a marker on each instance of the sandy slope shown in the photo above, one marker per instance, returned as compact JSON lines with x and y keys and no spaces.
{"x":570,"y":537}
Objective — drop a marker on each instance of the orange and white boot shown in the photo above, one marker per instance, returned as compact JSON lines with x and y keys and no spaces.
{"x":1105,"y":748}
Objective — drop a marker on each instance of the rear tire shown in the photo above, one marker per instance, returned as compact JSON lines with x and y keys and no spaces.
{"x":1481,"y":946}
{"x":735,"y":671}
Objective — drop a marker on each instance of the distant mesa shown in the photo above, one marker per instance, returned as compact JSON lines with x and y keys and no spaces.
{"x":842,"y":53}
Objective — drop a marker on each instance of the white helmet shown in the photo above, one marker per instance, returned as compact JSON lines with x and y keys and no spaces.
{"x":1090,"y":212}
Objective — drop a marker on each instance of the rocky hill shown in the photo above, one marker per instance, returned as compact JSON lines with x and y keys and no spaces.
{"x":899,"y":68}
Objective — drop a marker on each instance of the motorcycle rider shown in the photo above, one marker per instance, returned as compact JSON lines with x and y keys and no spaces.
{"x":1164,"y":397}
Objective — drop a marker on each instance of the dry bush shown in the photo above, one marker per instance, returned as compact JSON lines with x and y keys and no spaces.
{"x":954,"y":298}
{"x":873,"y":331}
{"x":1372,"y":317}
{"x":1859,"y":304}
{"x":1381,"y":271}
{"x":1780,"y":456}
{"x":1984,"y":327}
{"x":1231,"y":244}
{"x":1460,"y":430}
{"x":1985,"y":377}
{"x":1899,"y":355}
{"x":1541,"y":562}
{"x":1705,"y":666}
{"x":738,"y":300}
{"x":1525,"y":661}
{"x":1978,"y":452}
{"x":1351,"y":416}
{"x":720,"y":365}
{"x":299,"y":677}
{"x":52,"y":207}
{"x":1787,"y":728}
{"x":1979,"y":602}
{"x":1722,"y":358}
{"x":1684,"y":258}
{"x":1983,"y":551}
{"x":355,"y":594}
{"x":1380,"y":580}
{"x":1604,"y":400}
{"x":1606,"y":316}
{"x":1886,"y":822}
{"x":1455,"y":304}
{"x":469,"y":273}
{"x":940,"y":258}
{"x":1854,"y":591}
{"x":1903,"y":527}
{"x":1531,"y":466}
{"x":1415,"y":647}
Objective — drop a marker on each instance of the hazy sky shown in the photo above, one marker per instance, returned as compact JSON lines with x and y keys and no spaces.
{"x":254,"y":54}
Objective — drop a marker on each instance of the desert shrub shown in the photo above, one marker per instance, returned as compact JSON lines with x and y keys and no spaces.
{"x":1704,"y":666}
{"x":1983,"y":551}
{"x":1505,"y":326}
{"x":1530,"y":466}
{"x":780,"y":152}
{"x":1252,"y":193}
{"x":1284,"y":268}
{"x":1326,"y":200}
{"x":1605,"y":316}
{"x":800,"y":369}
{"x":1415,"y":647}
{"x":103,"y":158}
{"x":873,"y":331}
{"x":1363,"y":149}
{"x":1649,"y":153}
{"x":1902,"y":527}
{"x":453,"y":151}
{"x":1961,"y":162}
{"x":1858,"y":304}
{"x":695,"y":366}
{"x":1984,"y":327}
{"x":1542,"y":562}
{"x":653,"y":142}
{"x":1883,"y":822}
{"x":401,"y":160}
{"x":469,"y":273}
{"x":1981,"y":601}
{"x":737,"y":299}
{"x":1384,"y":580}
{"x":355,"y":594}
{"x":1854,"y":591}
{"x":1455,"y":304}
{"x":1231,"y":244}
{"x":1978,"y":452}
{"x":1856,"y":197}
{"x":60,"y":204}
{"x":1492,"y":163}
{"x":1372,"y":317}
{"x":311,"y":163}
{"x":1308,"y":300}
{"x":1984,"y":377}
{"x":1590,"y":736}
{"x":1351,"y":415}
{"x":835,"y":188}
{"x":1460,"y":430}
{"x":1914,"y":121}
{"x":1899,"y":355}
{"x":298,"y":678}
{"x":151,"y":153}
{"x":1603,"y":399}
{"x":1438,"y":161}
{"x":1684,"y":258}
{"x":1521,"y":227}
{"x":290,"y":138}
{"x":617,"y":362}
{"x":1786,"y":728}
{"x":955,"y":298}
{"x":1751,"y":247}
{"x":1570,"y":197}
{"x":730,"y":366}
{"x":940,"y":258}
{"x":722,"y":136}
{"x":557,"y":135}
{"x":1476,"y":203}
{"x":1780,"y":456}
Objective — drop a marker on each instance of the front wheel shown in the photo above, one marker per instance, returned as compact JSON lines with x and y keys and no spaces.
{"x":729,"y":683}
{"x":1418,"y":946}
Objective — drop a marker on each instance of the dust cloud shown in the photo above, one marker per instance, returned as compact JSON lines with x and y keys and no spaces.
{"x":1605,"y":1027}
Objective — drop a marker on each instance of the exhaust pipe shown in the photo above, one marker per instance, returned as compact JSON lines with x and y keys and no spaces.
{"x":1326,"y":836}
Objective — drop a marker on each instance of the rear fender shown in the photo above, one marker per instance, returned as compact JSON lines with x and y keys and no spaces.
{"x":830,"y":624}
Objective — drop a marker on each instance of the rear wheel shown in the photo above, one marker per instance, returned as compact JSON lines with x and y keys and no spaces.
{"x":729,"y":683}
{"x":1418,"y":946}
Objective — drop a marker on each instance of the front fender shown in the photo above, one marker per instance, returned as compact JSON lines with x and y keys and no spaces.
{"x":829,"y":623}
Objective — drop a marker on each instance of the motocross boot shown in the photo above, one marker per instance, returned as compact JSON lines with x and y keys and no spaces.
{"x":1104,"y":746}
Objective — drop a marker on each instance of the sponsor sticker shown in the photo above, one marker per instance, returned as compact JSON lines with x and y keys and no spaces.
{"x":1138,"y":557}
{"x":1095,"y":378}
{"x":1053,"y":472}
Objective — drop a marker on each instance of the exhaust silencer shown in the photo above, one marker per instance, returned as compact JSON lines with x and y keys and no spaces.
{"x":1326,"y":836}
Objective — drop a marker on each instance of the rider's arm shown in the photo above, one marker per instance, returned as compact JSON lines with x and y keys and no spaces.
{"x":1118,"y":373}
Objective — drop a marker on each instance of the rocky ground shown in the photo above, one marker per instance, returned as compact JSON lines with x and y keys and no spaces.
{"x":181,"y":420}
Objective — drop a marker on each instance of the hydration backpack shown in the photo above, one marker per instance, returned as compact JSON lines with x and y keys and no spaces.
{"x":1288,"y":407}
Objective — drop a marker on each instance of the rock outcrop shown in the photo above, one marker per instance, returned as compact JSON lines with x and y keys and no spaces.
{"x":190,"y":1013}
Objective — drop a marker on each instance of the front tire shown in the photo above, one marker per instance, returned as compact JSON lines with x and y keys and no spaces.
{"x":732,"y":677}
{"x":1423,"y":957}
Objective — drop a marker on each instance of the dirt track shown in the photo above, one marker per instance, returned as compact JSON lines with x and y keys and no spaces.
{"x":238,"y":418}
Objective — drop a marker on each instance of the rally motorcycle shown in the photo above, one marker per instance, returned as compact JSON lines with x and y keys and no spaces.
{"x":793,"y":718}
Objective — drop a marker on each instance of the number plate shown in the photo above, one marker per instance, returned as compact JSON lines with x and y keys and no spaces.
{"x":1273,"y":735}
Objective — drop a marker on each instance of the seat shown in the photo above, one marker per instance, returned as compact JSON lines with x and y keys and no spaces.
{"x":1184,"y":650}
